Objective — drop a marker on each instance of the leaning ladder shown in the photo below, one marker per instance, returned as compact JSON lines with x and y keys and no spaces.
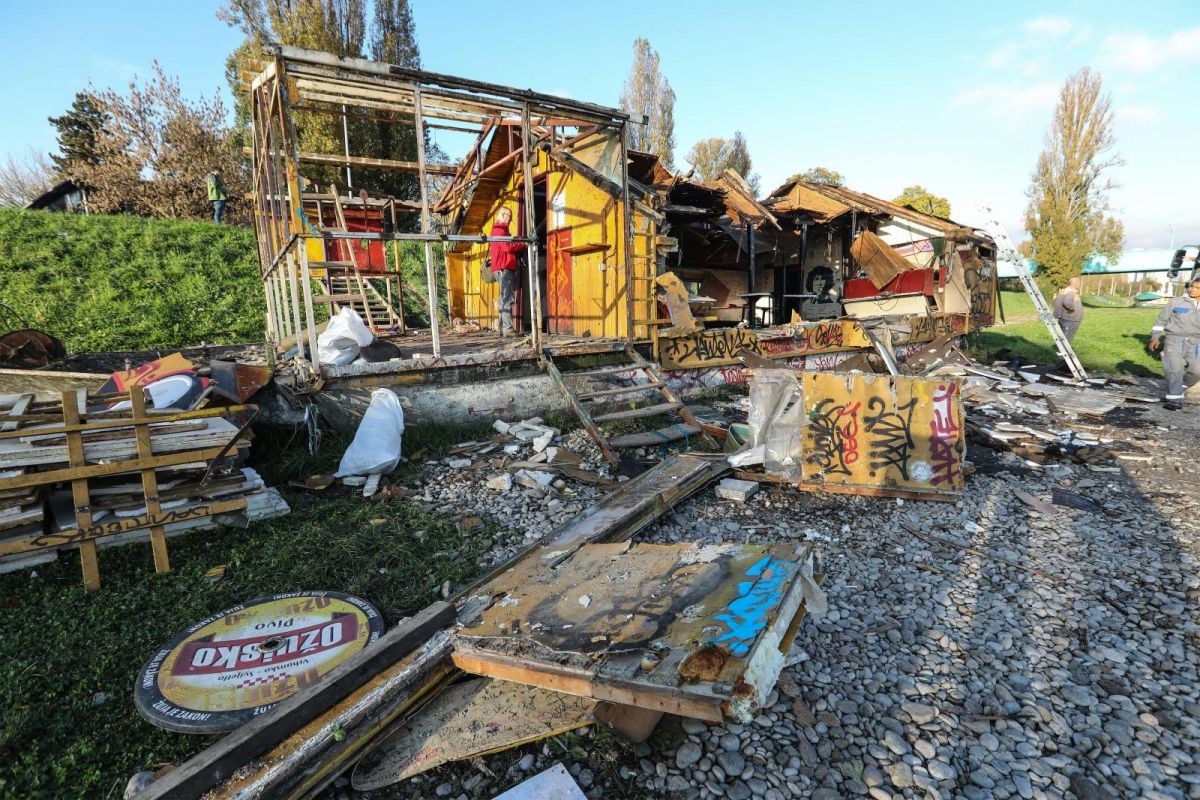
{"x":1046,"y":315}
{"x":1006,"y":248}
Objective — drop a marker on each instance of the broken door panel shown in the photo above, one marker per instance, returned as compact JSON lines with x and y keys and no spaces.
{"x":695,"y":630}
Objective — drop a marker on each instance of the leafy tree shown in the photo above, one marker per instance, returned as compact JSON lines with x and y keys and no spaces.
{"x":340,"y":27}
{"x":76,"y":132}
{"x":819,"y":175}
{"x":155,"y":149}
{"x":920,"y":198}
{"x":711,"y":157}
{"x":23,"y":179}
{"x":1068,"y":215}
{"x":648,"y":93}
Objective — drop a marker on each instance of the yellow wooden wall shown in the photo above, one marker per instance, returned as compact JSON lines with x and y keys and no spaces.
{"x":594,"y":217}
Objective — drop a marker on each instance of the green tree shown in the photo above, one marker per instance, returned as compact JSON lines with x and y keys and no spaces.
{"x":76,"y":132}
{"x":923,"y":200}
{"x":710,"y":157}
{"x":823,"y":175}
{"x":648,"y":93}
{"x":1068,"y":217}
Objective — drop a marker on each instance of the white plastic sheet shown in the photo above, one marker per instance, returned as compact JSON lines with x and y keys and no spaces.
{"x":343,"y":337}
{"x":376,"y":445}
{"x":776,"y":418}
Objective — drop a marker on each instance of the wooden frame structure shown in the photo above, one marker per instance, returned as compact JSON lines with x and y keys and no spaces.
{"x":290,"y":240}
{"x":107,"y":443}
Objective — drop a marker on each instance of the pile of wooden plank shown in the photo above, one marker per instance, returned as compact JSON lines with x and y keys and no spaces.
{"x":98,"y":470}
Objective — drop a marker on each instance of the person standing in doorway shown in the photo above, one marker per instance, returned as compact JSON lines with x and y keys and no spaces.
{"x":1179,"y":324}
{"x":216,"y":194}
{"x":503,"y":256}
{"x":1068,"y":309}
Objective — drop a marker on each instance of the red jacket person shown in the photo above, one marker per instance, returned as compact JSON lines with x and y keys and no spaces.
{"x":504,"y":264}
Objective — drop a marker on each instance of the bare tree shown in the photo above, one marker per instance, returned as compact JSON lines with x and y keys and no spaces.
{"x":711,"y":157}
{"x":647,"y":93}
{"x":155,"y":150}
{"x":1068,"y":217}
{"x":22,"y":178}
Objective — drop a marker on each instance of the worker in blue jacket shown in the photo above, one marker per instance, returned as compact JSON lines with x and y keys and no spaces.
{"x":1179,"y":322}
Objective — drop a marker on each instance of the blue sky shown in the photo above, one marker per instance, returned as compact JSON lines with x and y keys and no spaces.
{"x":952,"y":95}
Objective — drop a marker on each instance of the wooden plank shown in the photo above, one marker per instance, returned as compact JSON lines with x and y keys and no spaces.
{"x":561,"y":679}
{"x":584,"y":415}
{"x":671,"y":433}
{"x":631,"y":388}
{"x":158,"y":536}
{"x":17,"y":409}
{"x":470,"y":720}
{"x":79,"y":493}
{"x":216,"y":764}
{"x":96,"y":530}
{"x":635,"y":724}
{"x":111,"y":468}
{"x":638,"y":413}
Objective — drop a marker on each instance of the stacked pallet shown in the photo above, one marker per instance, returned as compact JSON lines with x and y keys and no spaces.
{"x":88,"y":471}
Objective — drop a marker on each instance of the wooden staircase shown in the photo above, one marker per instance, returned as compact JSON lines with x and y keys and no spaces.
{"x":345,"y":286}
{"x":635,"y":379}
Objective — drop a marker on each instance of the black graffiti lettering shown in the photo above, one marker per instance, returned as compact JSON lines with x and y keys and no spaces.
{"x":891,"y":435}
{"x":709,"y":346}
{"x":118,"y":526}
{"x":832,"y":439}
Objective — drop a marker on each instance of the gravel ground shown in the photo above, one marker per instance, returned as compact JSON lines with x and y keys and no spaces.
{"x":938,"y":672}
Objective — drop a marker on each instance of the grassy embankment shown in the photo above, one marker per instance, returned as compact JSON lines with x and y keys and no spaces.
{"x":1111,"y":340}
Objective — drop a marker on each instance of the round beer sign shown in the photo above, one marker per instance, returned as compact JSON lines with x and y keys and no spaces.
{"x":239,"y":663}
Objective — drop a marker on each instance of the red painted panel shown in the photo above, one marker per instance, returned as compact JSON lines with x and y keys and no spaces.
{"x":559,"y":301}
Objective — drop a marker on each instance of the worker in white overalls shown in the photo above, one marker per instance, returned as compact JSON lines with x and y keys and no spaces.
{"x":1180,"y":323}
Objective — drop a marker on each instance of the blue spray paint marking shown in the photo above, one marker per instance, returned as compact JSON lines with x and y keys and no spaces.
{"x":746,"y":615}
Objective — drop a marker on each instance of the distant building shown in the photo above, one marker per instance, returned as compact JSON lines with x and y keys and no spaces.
{"x":64,"y":196}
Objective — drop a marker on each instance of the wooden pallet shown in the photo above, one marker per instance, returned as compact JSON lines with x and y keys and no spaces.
{"x":83,"y":446}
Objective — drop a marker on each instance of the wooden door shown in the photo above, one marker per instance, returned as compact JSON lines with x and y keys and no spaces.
{"x":560,"y":304}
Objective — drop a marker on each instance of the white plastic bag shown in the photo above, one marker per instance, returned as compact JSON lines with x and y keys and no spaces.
{"x":343,"y":337}
{"x":376,"y":445}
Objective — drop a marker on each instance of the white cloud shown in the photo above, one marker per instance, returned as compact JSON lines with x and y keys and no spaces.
{"x":1004,"y":55}
{"x":1049,"y":27}
{"x":1138,"y":52}
{"x":1138,"y":115}
{"x":1008,"y":101}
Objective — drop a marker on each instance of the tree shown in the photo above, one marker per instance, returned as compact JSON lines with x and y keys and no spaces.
{"x":23,"y":179}
{"x":1068,"y":217}
{"x":711,"y":157}
{"x":920,"y":198}
{"x":155,"y":149}
{"x":76,"y":133}
{"x":647,"y":93}
{"x":823,"y":175}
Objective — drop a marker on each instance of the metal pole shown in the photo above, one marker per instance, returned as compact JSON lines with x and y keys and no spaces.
{"x":430,"y":278}
{"x":753,"y":272}
{"x":346,"y":142}
{"x":306,"y":276}
{"x":535,"y":294}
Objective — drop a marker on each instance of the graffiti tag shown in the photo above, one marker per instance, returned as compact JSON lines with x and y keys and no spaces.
{"x":835,"y":437}
{"x":891,"y":435}
{"x":944,"y":437}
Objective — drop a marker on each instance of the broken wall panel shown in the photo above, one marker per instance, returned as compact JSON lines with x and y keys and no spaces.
{"x":886,"y":432}
{"x":694,"y":630}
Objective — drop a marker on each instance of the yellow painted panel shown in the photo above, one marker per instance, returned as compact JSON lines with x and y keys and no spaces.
{"x":893,"y":432}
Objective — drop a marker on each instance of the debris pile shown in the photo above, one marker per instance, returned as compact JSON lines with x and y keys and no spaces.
{"x":160,"y":450}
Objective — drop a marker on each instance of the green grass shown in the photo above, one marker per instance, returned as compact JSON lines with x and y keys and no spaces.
{"x":60,"y":645}
{"x":128,"y":283}
{"x":1111,"y":341}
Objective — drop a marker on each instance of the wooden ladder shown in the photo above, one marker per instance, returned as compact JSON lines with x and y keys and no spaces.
{"x":352,"y":290}
{"x":588,"y":400}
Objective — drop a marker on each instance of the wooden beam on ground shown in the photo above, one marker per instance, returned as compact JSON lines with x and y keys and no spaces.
{"x":217,"y":764}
